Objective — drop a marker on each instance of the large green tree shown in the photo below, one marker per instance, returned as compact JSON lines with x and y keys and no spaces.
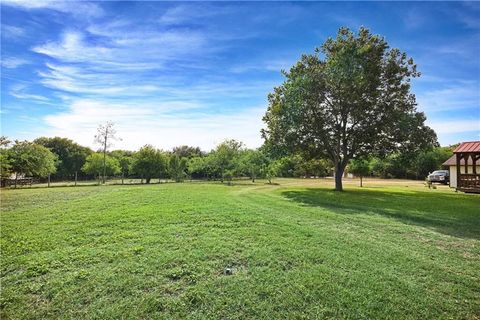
{"x":349,"y":99}
{"x":149,"y":162}
{"x":31,"y":159}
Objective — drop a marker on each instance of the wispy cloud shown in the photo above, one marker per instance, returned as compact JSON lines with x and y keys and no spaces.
{"x":194,"y":12}
{"x":77,"y":8}
{"x":111,"y":64}
{"x":12,"y":62}
{"x":450,"y":95}
{"x":275,"y":65}
{"x":469,"y":17}
{"x":455,"y":126}
{"x":121,"y":47}
{"x":115,"y":65}
{"x":12,"y":32}
{"x":19,"y":91}
{"x":413,"y":19}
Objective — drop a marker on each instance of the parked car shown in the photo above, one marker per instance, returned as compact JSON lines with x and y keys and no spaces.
{"x":441,"y":176}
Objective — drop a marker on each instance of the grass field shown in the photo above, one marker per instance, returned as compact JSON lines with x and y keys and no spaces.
{"x":296,"y":250}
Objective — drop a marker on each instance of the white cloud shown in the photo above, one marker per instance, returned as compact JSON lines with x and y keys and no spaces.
{"x":77,"y":8}
{"x":73,"y":49}
{"x":456,"y":95}
{"x":122,"y":64}
{"x":196,"y":12}
{"x":455,"y":126}
{"x":275,"y":65}
{"x":413,"y":19}
{"x":125,"y":47}
{"x":12,"y":63}
{"x":12,"y":31}
{"x":159,"y":124}
{"x":19,"y":91}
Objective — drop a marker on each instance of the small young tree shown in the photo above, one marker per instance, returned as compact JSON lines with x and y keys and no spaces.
{"x":97,"y":163}
{"x":271,"y":170}
{"x":149,"y":162}
{"x":252,"y":162}
{"x":225,"y":157}
{"x":360,"y":167}
{"x":124,"y":159}
{"x":105,"y":134}
{"x":177,"y":167}
{"x":228,"y":176}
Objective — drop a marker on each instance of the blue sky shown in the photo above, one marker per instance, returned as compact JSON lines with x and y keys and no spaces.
{"x":171,"y":73}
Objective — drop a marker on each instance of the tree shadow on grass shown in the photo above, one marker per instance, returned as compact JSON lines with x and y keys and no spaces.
{"x":451,"y":214}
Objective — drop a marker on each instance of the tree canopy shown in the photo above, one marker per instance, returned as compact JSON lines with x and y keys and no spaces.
{"x":253,"y":163}
{"x":225,"y":158}
{"x":187,"y":151}
{"x":31,"y":159}
{"x":71,"y":155}
{"x":96,"y":163}
{"x":360,"y":167}
{"x":177,"y":167}
{"x":348,"y":99}
{"x":149,"y":162}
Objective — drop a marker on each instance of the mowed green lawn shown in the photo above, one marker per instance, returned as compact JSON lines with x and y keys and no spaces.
{"x":297,"y":250}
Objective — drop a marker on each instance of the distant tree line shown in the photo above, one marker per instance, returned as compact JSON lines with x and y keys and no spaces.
{"x":63,"y":159}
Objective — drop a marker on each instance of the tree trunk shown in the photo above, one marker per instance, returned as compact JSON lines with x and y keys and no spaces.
{"x":122,"y":176}
{"x":104,"y":166}
{"x":105,"y":158}
{"x":361,"y":182}
{"x":147,"y":180}
{"x":16,"y":178}
{"x":49,"y":180}
{"x":338,"y":176}
{"x":76,"y":177}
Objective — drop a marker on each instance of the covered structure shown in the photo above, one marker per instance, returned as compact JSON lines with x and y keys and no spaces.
{"x":464,"y":167}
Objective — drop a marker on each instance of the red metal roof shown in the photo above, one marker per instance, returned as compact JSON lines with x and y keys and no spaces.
{"x":472,"y":146}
